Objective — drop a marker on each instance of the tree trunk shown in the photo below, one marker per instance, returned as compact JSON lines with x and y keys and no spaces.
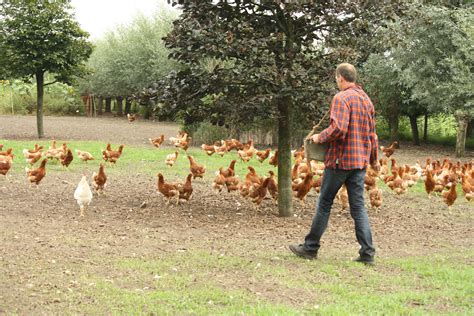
{"x":285,"y":201}
{"x":100,"y":105}
{"x":414,"y":130}
{"x":470,"y":127}
{"x":128,"y":105}
{"x":119,"y":100}
{"x":39,"y":102}
{"x":108,"y":106}
{"x":425,"y":129}
{"x":394,"y":124}
{"x":147,"y":112}
{"x":462,"y":119}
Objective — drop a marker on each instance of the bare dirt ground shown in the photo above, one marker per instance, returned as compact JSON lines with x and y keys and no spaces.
{"x":42,"y":225}
{"x":84,"y":128}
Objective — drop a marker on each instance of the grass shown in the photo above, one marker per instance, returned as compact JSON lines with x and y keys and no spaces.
{"x":195,"y":283}
{"x":200,"y":282}
{"x":137,"y":159}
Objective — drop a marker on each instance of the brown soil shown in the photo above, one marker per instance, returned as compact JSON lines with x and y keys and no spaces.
{"x":43,"y":239}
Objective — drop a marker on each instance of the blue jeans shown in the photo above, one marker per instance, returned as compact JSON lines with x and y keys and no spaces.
{"x":333,"y":179}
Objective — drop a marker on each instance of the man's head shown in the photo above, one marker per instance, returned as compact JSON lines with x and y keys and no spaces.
{"x":346,"y":75}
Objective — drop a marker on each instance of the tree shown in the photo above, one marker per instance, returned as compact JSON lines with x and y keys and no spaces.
{"x":392,"y":99}
{"x":38,"y":37}
{"x":274,"y":60}
{"x":436,"y":58}
{"x":130,"y":58}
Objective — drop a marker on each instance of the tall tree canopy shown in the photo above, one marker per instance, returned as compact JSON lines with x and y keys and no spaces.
{"x":131,"y":57}
{"x":38,"y":37}
{"x":429,"y":64}
{"x":274,"y":59}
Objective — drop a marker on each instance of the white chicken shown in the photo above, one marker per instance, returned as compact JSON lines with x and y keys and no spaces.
{"x":83,"y":195}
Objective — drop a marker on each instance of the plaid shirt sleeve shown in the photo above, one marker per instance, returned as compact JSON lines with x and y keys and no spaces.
{"x":374,"y":142}
{"x":338,"y":127}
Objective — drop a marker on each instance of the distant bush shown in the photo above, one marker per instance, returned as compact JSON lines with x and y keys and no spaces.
{"x":206,"y":132}
{"x":59,"y":99}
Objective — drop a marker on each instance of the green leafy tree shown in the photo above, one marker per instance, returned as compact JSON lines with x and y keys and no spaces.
{"x":436,"y":58}
{"x":276,"y":59}
{"x":131,"y":57}
{"x":38,"y":37}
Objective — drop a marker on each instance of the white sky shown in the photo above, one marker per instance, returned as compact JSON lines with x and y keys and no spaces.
{"x":99,"y":16}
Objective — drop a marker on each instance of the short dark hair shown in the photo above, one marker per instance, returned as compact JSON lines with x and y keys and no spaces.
{"x":347,"y":71}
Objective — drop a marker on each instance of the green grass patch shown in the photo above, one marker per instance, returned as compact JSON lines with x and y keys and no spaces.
{"x":202,"y":283}
{"x":137,"y":159}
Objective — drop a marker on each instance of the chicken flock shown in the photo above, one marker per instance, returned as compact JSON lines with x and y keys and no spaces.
{"x":438,"y":176}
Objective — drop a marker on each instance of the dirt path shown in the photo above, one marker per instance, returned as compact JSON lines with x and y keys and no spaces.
{"x":82,"y":128}
{"x":44,"y":243}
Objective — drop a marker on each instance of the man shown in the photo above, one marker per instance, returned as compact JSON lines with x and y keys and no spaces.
{"x":352,"y":146}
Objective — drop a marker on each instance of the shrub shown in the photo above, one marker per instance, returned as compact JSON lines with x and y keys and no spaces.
{"x":206,"y":132}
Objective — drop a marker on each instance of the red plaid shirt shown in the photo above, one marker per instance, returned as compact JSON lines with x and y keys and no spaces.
{"x":351,"y":135}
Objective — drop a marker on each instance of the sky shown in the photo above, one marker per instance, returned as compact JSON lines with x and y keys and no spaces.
{"x":99,"y":16}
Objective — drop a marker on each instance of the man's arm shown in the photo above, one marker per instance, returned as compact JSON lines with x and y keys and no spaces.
{"x":339,"y":122}
{"x":374,"y":141}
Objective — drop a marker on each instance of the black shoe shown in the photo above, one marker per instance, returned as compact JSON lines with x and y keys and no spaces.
{"x":365,"y":260}
{"x":303,"y":253}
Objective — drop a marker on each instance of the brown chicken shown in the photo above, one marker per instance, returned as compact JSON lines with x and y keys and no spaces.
{"x":343,"y":197}
{"x":247,"y":153}
{"x":303,"y":188}
{"x":55,"y":153}
{"x":397,"y":184}
{"x":232,"y":183}
{"x":317,"y":184}
{"x":32,"y":158}
{"x":245,"y":188}
{"x":262,"y":155}
{"x":36,"y":149}
{"x":388,"y":151}
{"x":196,"y":169}
{"x":429,"y":183}
{"x":272,"y":186}
{"x":99,"y":180}
{"x":157,"y":141}
{"x":36,"y":175}
{"x":221,"y":149}
{"x":274,"y":159}
{"x":171,"y":159}
{"x":6,"y":162}
{"x":450,"y":196}
{"x":84,"y":155}
{"x":131,"y":117}
{"x":258,"y":193}
{"x":169,"y":190}
{"x":184,"y":144}
{"x":219,"y":181}
{"x":233,"y":144}
{"x":7,"y":152}
{"x":252,"y":176}
{"x":209,"y":149}
{"x":66,"y":158}
{"x":186,"y":190}
{"x":114,"y":155}
{"x":230,"y":172}
{"x":375,"y":197}
{"x":467,"y":188}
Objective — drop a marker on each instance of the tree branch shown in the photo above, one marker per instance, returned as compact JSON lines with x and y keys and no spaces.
{"x":47,"y":84}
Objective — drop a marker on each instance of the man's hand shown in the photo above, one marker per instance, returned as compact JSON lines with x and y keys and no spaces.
{"x":315,"y":138}
{"x":375,"y":165}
